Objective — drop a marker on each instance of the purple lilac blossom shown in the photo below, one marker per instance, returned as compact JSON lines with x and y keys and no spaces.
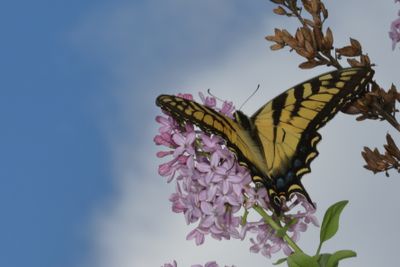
{"x":213,"y":190}
{"x":208,"y":264}
{"x":394,"y":32}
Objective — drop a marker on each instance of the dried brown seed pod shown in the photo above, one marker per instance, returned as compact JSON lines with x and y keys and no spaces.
{"x":356,"y":44}
{"x":280,"y":11}
{"x":275,"y":47}
{"x":354,"y":62}
{"x":391,"y":147}
{"x":328,"y":39}
{"x":300,"y":38}
{"x":309,"y":64}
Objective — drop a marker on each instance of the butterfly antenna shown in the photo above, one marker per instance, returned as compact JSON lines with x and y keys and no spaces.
{"x":255,"y":91}
{"x":211,"y":94}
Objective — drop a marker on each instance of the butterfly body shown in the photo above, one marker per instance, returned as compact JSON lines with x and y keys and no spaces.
{"x":278,"y":142}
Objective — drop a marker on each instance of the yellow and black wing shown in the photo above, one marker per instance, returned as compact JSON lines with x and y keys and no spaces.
{"x":209,"y":120}
{"x":287,"y":126}
{"x":279,"y":141}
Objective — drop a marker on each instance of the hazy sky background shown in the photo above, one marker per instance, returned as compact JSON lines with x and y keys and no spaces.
{"x":79,"y":184}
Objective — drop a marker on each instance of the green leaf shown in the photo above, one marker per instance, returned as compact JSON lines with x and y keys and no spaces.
{"x":300,"y":259}
{"x":330,"y":223}
{"x":280,"y":261}
{"x":340,"y":255}
{"x":323,"y":259}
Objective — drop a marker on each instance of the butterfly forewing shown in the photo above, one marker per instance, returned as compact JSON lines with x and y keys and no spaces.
{"x":287,"y":125}
{"x":211,"y":121}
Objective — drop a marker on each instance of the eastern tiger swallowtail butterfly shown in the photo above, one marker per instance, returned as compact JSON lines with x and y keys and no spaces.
{"x":278,"y":142}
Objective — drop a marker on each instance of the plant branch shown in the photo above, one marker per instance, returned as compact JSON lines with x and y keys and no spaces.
{"x":390,"y":118}
{"x":270,"y":221}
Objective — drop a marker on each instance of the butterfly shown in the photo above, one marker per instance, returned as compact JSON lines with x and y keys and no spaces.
{"x":278,"y":142}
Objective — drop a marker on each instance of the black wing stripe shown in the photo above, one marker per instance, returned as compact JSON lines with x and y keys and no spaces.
{"x":298,"y":94}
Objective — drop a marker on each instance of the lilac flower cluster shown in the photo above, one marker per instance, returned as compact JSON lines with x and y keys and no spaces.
{"x":209,"y":180}
{"x":213,"y":190}
{"x":208,"y":264}
{"x":394,"y":32}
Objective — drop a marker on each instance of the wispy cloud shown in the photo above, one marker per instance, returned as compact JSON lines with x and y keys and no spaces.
{"x":146,"y":56}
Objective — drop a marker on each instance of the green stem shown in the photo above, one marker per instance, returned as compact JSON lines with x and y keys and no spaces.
{"x":268,"y":219}
{"x":319,"y":249}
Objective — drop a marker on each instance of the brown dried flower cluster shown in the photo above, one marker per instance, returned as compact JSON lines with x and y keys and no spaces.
{"x":378,"y":162}
{"x":316,"y":45}
{"x":377,"y":103}
{"x":309,"y":41}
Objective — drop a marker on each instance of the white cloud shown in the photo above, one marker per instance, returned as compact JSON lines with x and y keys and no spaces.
{"x":136,"y":228}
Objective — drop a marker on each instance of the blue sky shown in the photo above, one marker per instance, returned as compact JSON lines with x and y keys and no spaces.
{"x":78,"y":176}
{"x":57,"y":108}
{"x":55,"y":163}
